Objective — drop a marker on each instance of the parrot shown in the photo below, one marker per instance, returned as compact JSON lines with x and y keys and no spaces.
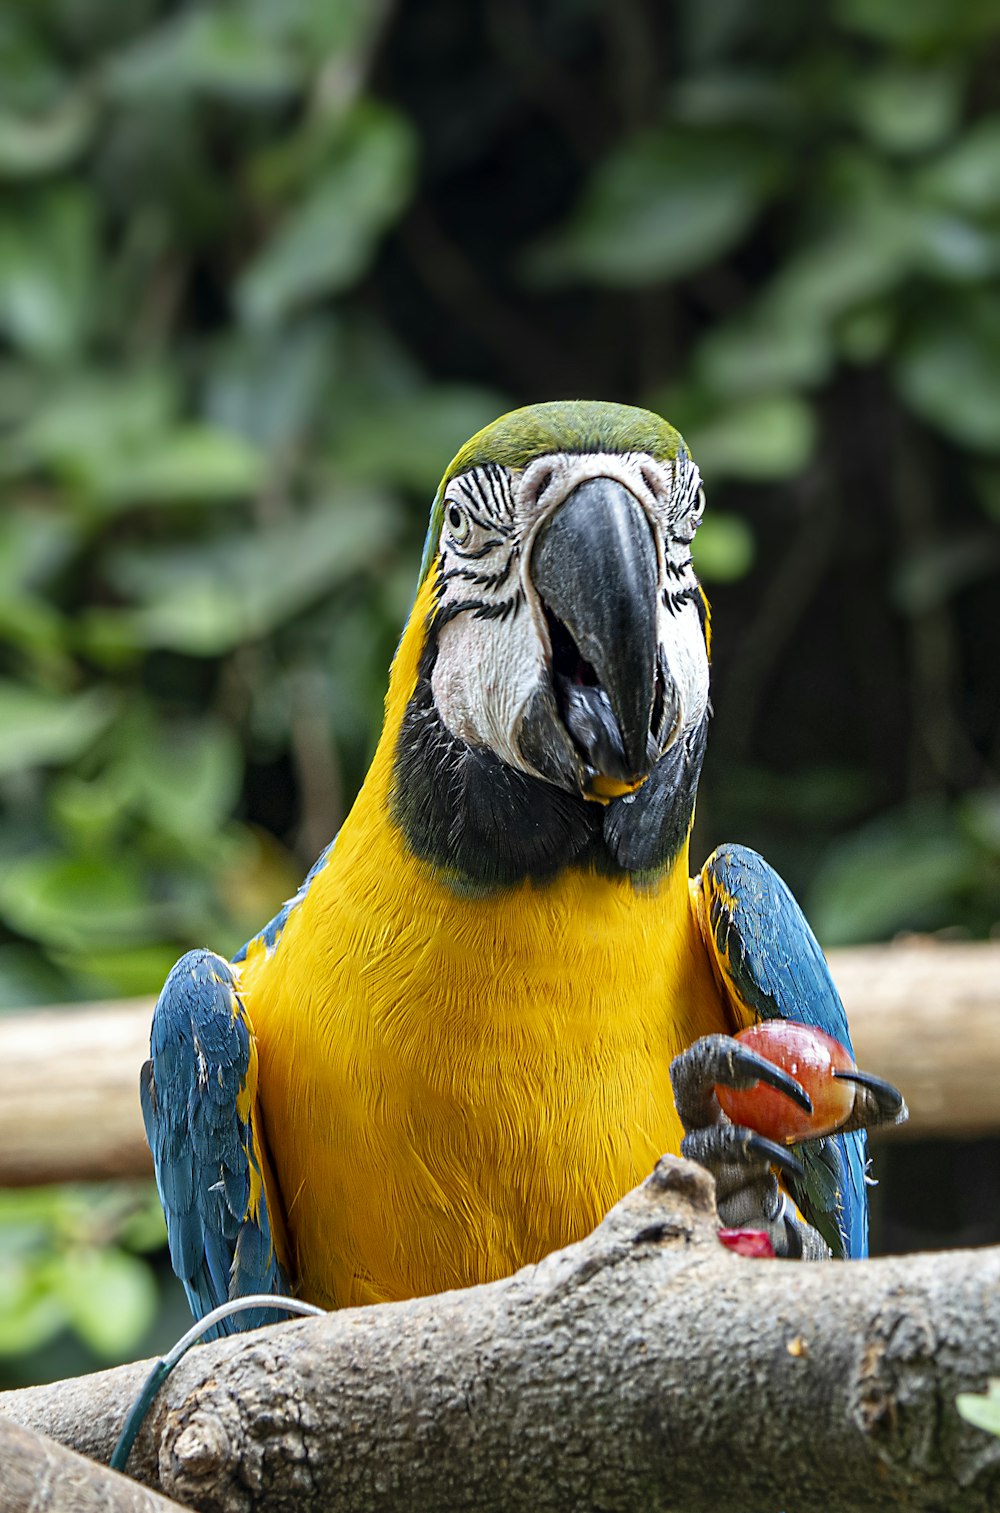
{"x":499,"y":996}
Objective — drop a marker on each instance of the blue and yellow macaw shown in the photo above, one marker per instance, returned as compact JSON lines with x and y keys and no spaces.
{"x":451,"y":1052}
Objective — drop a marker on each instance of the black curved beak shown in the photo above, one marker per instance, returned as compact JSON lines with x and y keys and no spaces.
{"x":594,"y":568}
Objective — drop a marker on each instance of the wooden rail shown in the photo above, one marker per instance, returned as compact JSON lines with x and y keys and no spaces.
{"x":923,"y":1013}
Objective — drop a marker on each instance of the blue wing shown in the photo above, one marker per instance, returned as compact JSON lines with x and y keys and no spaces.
{"x":198,"y":1094}
{"x":772,"y":967}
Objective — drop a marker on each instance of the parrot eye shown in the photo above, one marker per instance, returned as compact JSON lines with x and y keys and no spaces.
{"x":699,"y":505}
{"x":459,"y":524}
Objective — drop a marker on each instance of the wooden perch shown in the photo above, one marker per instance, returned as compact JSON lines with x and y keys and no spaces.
{"x":647,"y":1367}
{"x":69,"y":1093}
{"x":39,"y":1476}
{"x":924,"y":1014}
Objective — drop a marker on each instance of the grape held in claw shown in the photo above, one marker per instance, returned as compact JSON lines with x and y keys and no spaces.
{"x":811,"y":1057}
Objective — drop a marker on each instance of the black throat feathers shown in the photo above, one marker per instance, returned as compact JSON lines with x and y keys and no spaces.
{"x":486,"y":826}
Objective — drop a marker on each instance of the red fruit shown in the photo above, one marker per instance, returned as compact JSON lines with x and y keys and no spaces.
{"x":811,"y":1057}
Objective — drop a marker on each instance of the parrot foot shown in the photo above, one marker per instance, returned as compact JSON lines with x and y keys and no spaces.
{"x":722,"y":1059}
{"x":747,"y":1193}
{"x":742,"y":1161}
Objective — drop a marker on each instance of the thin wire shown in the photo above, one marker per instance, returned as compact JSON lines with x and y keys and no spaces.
{"x":166,"y":1364}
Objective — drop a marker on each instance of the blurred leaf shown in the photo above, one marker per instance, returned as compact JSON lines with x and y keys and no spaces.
{"x":34,"y":145}
{"x":142,"y":1226}
{"x":212,"y":52}
{"x":858,"y":257}
{"x":62,"y":1266}
{"x":725,"y":96}
{"x":30,"y":1314}
{"x":917,"y":23}
{"x":978,"y":816}
{"x":76,"y":903}
{"x":109,"y":1297}
{"x":206,"y":600}
{"x":122,"y":971}
{"x":763,"y":351}
{"x":967,"y":177}
{"x":949,"y":371}
{"x":30,"y":1215}
{"x":904,"y":871}
{"x":268,"y":386}
{"x":185,"y":775}
{"x":662,"y":204}
{"x":94,"y":415}
{"x":47,"y":266}
{"x":981,"y":1408}
{"x":331,"y":33}
{"x":89,"y":812}
{"x":723,"y":549}
{"x":39,"y":728}
{"x":181,"y":778}
{"x":410,"y":440}
{"x":866,"y":334}
{"x":189,"y":464}
{"x":909,"y":109}
{"x":34,"y":544}
{"x":28,"y":978}
{"x":116,"y":438}
{"x":770,"y":437}
{"x":952,"y":249}
{"x":326,"y":241}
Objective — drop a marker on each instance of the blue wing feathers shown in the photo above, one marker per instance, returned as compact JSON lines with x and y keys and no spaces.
{"x":199,"y":1119}
{"x":773,"y":963}
{"x":221,"y":1240}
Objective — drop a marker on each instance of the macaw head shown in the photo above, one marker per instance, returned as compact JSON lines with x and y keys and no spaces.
{"x":564,"y":677}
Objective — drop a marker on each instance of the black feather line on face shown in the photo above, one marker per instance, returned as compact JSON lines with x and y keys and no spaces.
{"x":489,"y":494}
{"x":480,"y":609}
{"x":486,"y":826}
{"x":675,"y":599}
{"x":480,"y":579}
{"x":476,"y":552}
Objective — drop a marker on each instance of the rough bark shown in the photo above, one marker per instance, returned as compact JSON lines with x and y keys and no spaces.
{"x":39,"y":1476}
{"x":923,"y":1013}
{"x":647,"y":1367}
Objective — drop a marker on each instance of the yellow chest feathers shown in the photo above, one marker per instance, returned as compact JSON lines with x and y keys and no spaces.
{"x":452,"y":1087}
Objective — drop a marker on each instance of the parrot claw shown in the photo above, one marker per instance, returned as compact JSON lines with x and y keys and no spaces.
{"x":722,"y":1059}
{"x":875,"y":1101}
{"x":742,"y":1161}
{"x":746,"y":1189}
{"x":773,"y":1154}
{"x":731,"y":1144}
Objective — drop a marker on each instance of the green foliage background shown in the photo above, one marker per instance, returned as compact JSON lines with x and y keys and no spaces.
{"x":265,"y":265}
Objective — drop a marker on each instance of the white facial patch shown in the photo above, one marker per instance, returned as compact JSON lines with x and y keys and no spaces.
{"x":493,"y":642}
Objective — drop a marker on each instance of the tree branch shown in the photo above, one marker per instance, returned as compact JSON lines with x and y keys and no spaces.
{"x":39,"y":1476}
{"x":69,"y":1093}
{"x":923,"y":1013}
{"x":647,"y":1367}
